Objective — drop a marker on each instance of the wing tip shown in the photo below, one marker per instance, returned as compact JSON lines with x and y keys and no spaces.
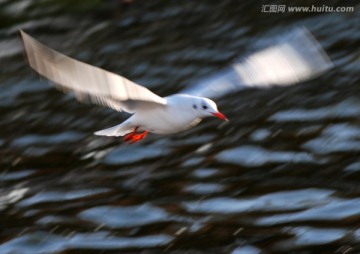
{"x":21,"y":32}
{"x":24,"y":36}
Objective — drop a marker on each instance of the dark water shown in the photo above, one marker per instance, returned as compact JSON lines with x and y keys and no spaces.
{"x":283,"y":176}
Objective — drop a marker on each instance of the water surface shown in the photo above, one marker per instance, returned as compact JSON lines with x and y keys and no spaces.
{"x":281,"y":177}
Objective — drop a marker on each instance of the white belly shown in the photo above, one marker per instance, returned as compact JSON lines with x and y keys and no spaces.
{"x":164,"y":121}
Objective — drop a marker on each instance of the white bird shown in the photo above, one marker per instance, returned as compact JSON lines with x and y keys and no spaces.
{"x":290,"y":61}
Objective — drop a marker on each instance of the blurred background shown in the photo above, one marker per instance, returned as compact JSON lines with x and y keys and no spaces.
{"x":283,"y":176}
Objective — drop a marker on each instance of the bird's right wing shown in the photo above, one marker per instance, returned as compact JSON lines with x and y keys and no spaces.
{"x":296,"y":57}
{"x":88,"y":83}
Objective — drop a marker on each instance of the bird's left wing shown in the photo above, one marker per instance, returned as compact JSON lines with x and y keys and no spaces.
{"x":294,"y":58}
{"x":88,"y":83}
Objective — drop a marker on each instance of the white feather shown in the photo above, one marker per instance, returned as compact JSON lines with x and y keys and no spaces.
{"x":118,"y":130}
{"x":88,"y":82}
{"x":296,"y":57}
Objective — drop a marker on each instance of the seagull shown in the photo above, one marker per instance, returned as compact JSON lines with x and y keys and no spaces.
{"x":292,"y":59}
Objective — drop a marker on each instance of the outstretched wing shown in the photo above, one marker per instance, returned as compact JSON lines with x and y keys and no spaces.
{"x":294,"y":58}
{"x":87,"y":82}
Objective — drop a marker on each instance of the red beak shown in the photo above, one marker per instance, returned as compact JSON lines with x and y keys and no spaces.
{"x":220,"y":115}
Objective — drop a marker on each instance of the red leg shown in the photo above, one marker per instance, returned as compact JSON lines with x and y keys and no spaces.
{"x":137,"y":137}
{"x":130,"y":135}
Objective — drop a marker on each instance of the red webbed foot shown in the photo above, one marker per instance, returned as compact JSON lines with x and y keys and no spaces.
{"x":138,"y":137}
{"x":132,"y":137}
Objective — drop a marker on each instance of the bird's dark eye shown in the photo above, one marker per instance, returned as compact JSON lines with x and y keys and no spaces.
{"x":204,"y":107}
{"x":194,"y":106}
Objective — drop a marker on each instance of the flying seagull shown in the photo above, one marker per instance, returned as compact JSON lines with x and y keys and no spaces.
{"x":291,"y":60}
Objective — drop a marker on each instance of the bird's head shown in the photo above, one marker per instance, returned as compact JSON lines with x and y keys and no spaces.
{"x":206,"y":107}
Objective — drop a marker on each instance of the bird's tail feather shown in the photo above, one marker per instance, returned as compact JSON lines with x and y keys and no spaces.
{"x":118,"y":130}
